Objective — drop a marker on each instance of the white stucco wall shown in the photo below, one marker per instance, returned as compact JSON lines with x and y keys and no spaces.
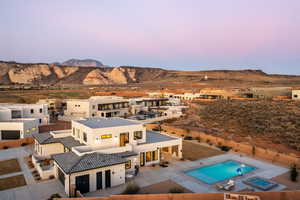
{"x":27,"y":127}
{"x":117,"y":176}
{"x":48,"y":149}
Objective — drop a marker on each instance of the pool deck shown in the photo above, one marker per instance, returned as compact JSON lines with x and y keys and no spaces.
{"x":175,"y":172}
{"x":264,"y":169}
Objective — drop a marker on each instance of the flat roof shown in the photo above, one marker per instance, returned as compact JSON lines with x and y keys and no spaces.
{"x":154,"y":137}
{"x":100,"y":122}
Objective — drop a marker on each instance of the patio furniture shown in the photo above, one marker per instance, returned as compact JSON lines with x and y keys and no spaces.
{"x":226,"y":186}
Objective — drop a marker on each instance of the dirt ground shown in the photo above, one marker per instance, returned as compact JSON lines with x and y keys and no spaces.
{"x":9,"y":166}
{"x":162,"y":188}
{"x":285,"y":180}
{"x":12,"y":182}
{"x":192,"y":150}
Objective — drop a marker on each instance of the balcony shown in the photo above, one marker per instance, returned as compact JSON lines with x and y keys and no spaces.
{"x":81,"y":150}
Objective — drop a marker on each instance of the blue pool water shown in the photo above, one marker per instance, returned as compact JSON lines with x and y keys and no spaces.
{"x":218,"y":172}
{"x":260,"y":182}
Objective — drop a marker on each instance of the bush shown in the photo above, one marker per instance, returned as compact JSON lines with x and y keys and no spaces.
{"x":188,"y":138}
{"x":5,"y":147}
{"x":176,"y":190}
{"x":54,"y":196}
{"x":51,"y":177}
{"x":131,"y":188}
{"x":24,"y":144}
{"x":294,"y":173}
{"x":225,"y":148}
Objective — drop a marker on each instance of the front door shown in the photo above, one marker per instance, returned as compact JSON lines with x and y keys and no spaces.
{"x":99,"y":180}
{"x":124,"y":139}
{"x":142,"y":159}
{"x":107,"y":179}
{"x":83,"y":183}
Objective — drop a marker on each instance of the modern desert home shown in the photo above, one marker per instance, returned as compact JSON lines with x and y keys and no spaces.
{"x":97,"y":153}
{"x":21,"y":120}
{"x":96,"y":106}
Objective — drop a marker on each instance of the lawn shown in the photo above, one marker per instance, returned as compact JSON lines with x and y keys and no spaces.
{"x":12,"y":182}
{"x":9,"y":166}
{"x":194,"y":151}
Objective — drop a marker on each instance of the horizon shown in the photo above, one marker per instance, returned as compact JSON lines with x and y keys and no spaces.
{"x":174,"y":35}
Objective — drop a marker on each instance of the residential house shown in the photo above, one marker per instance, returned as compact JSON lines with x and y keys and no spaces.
{"x":21,"y":120}
{"x":97,"y":153}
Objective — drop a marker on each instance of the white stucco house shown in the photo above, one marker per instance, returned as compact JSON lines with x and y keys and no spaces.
{"x":97,"y":153}
{"x":21,"y":120}
{"x":96,"y":106}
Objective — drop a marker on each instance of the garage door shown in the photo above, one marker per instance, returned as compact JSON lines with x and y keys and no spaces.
{"x":10,"y":135}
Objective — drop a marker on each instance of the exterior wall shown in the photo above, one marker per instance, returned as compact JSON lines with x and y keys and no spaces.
{"x":25,"y":110}
{"x":296,"y":94}
{"x":94,"y":135}
{"x":48,"y":149}
{"x":79,"y":108}
{"x":26,"y":127}
{"x":117,"y":176}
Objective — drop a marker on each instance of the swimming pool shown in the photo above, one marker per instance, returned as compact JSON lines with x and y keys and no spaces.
{"x":260,"y":183}
{"x":218,"y":172}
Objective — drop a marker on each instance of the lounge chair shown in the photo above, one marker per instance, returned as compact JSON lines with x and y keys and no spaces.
{"x":226,"y":186}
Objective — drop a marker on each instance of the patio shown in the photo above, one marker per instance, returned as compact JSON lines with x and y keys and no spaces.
{"x":175,"y":172}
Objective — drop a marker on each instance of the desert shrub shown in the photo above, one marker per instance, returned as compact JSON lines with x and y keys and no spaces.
{"x":131,"y":188}
{"x":53,"y":196}
{"x":5,"y":147}
{"x":176,"y":190}
{"x":51,"y":177}
{"x":207,"y":140}
{"x":224,"y":148}
{"x":188,"y":138}
{"x":24,"y":144}
{"x":293,"y":173}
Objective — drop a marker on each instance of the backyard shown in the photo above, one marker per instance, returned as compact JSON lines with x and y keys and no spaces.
{"x":192,"y":150}
{"x":12,"y":182}
{"x":9,"y":166}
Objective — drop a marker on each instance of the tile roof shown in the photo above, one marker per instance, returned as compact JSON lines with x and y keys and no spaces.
{"x":71,"y":163}
{"x":154,"y":137}
{"x":47,"y":138}
{"x":99,"y":122}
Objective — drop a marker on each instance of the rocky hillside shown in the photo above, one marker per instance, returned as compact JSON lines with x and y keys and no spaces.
{"x":55,"y":74}
{"x":17,"y":73}
{"x":83,"y":63}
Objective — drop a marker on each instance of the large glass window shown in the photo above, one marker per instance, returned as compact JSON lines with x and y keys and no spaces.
{"x":154,"y":155}
{"x":148,"y":156}
{"x":138,"y":135}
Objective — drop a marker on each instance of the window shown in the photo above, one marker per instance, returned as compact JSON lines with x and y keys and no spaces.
{"x":84,"y":137}
{"x":154,"y":155}
{"x":40,"y":120}
{"x":128,"y":164}
{"x":138,"y":135}
{"x":94,"y":106}
{"x":148,"y":156}
{"x":31,"y":111}
{"x":41,"y":110}
{"x":73,"y":131}
{"x":106,"y":136}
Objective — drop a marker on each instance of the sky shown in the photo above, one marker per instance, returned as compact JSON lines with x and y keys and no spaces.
{"x":171,"y":34}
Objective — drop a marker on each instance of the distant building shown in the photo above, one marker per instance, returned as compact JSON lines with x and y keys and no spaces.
{"x":21,"y":120}
{"x":96,"y":106}
{"x":270,"y":92}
